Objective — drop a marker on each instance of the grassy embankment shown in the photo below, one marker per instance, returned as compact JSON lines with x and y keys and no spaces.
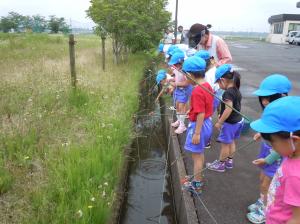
{"x":61,"y":150}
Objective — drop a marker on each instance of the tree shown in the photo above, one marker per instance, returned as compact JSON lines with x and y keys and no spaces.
{"x":12,"y":21}
{"x":56,"y":24}
{"x":39,"y":23}
{"x":5,"y":24}
{"x":135,"y":24}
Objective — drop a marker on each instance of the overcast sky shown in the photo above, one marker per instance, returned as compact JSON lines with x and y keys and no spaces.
{"x":230,"y":15}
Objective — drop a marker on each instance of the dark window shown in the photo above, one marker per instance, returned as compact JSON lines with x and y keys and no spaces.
{"x":278,"y":28}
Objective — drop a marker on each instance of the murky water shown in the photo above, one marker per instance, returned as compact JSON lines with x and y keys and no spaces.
{"x":149,"y":197}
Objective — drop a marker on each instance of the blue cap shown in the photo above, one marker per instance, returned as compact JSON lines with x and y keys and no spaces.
{"x":194,"y":64}
{"x":203,"y":54}
{"x":176,"y":58}
{"x":171,"y":48}
{"x":273,"y":84}
{"x":274,"y":119}
{"x":161,"y":75}
{"x":160,"y":47}
{"x":176,"y":50}
{"x":222,"y":70}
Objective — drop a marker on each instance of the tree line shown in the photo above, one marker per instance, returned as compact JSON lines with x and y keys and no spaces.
{"x":19,"y":23}
{"x":133,"y":25}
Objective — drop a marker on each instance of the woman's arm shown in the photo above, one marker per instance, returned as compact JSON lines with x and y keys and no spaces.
{"x":223,"y":53}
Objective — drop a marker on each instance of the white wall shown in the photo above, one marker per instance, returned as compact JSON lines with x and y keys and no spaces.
{"x":279,"y":38}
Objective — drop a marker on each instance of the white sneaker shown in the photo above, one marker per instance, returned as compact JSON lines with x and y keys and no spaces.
{"x":175,"y":124}
{"x":255,"y":206}
{"x":257,"y":217}
{"x":180,"y":129}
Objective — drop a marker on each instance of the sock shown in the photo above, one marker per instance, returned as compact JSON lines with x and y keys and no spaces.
{"x":181,"y":119}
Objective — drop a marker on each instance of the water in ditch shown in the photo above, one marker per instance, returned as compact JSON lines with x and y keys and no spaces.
{"x":149,"y":196}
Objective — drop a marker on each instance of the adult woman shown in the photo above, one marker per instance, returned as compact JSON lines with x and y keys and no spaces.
{"x":201,"y":38}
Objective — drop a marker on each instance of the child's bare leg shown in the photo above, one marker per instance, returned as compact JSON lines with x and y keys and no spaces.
{"x":181,"y":108}
{"x":198,"y":160}
{"x":232,"y":149}
{"x":225,"y":149}
{"x":264,"y":187}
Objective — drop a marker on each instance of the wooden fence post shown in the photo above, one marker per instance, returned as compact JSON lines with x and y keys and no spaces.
{"x":72,"y":60}
{"x":103,"y":52}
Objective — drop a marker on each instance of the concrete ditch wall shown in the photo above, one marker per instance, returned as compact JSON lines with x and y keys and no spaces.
{"x":184,"y":203}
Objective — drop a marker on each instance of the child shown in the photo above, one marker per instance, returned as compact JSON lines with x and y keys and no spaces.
{"x":182,"y":91}
{"x":210,"y":78}
{"x":200,"y":125}
{"x":230,"y":123}
{"x":163,"y":79}
{"x":282,"y":130}
{"x":271,"y":88}
{"x":210,"y":74}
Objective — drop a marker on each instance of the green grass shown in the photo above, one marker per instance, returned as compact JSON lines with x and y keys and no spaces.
{"x":61,"y":149}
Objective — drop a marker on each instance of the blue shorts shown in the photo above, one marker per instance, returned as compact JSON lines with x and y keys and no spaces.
{"x":216,"y":104}
{"x":268,"y":169}
{"x":206,"y":132}
{"x":230,"y":132}
{"x":182,"y":94}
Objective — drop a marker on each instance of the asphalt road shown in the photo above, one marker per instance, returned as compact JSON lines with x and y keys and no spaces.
{"x":227,"y":195}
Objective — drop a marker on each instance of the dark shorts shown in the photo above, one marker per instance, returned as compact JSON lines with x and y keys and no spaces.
{"x":230,"y":132}
{"x":206,"y":132}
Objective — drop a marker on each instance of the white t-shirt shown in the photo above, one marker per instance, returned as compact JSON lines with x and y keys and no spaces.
{"x":210,"y":78}
{"x":169,"y":38}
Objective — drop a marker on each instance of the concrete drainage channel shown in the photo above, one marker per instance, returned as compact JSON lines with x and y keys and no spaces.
{"x":150,"y":189}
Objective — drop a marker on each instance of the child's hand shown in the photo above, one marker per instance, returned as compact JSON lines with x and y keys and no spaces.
{"x":257,"y":137}
{"x":259,"y":162}
{"x":187,"y":112}
{"x":218,"y":126}
{"x":196,"y":139}
{"x":172,"y":84}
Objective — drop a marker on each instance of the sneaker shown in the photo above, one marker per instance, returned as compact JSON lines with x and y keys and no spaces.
{"x":180,"y":129}
{"x":175,"y":124}
{"x":255,"y":206}
{"x":216,"y":166}
{"x":229,"y":163}
{"x":208,"y":146}
{"x":257,"y":217}
{"x":172,"y":108}
{"x":186,"y":179}
{"x":195,"y":187}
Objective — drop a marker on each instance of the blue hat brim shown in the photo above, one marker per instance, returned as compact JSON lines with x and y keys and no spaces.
{"x":171,"y":62}
{"x":261,"y":92}
{"x":262,"y":127}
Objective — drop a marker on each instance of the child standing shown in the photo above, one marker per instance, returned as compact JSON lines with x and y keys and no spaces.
{"x":282,"y":130}
{"x":210,"y":74}
{"x":182,"y":91}
{"x":200,"y":125}
{"x":230,"y":123}
{"x":271,"y":88}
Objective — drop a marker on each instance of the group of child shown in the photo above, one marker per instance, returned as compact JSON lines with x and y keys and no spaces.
{"x":198,"y":87}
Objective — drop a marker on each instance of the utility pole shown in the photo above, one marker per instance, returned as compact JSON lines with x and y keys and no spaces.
{"x":176,"y":21}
